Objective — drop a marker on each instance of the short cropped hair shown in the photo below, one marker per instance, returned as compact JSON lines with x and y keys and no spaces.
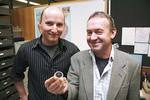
{"x":42,"y":14}
{"x":101,"y":14}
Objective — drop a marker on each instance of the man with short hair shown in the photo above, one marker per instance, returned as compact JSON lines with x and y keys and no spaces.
{"x":44,"y":56}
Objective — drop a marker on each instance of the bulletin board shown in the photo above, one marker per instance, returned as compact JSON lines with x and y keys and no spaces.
{"x":76,"y":14}
{"x":132,"y":19}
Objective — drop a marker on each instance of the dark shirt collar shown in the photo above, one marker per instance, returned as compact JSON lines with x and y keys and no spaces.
{"x":61,"y":43}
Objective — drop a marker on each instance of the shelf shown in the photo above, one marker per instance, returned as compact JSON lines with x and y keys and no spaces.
{"x":4,"y":11}
{"x":7,"y":52}
{"x":146,"y":69}
{"x":3,"y":25}
{"x":4,"y":2}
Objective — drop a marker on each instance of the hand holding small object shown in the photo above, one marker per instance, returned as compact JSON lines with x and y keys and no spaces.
{"x":57,"y":84}
{"x":58,"y":74}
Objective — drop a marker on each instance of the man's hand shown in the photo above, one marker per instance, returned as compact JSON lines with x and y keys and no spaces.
{"x":24,"y":98}
{"x":56,"y":85}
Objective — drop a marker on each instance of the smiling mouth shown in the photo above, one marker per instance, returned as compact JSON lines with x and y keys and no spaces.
{"x":93,"y":45}
{"x":50,"y":33}
{"x":96,"y":44}
{"x":55,"y":34}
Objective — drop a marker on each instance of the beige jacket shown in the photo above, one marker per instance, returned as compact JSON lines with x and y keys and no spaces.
{"x":124,"y":83}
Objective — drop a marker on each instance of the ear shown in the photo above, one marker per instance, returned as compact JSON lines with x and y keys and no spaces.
{"x":39,"y":27}
{"x":114,"y":32}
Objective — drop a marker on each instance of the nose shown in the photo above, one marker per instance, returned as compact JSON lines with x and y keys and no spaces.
{"x":93,"y":36}
{"x":54,"y":28}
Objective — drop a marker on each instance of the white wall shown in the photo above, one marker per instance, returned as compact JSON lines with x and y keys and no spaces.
{"x":81,"y":12}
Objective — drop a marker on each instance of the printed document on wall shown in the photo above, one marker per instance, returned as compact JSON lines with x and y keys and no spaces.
{"x":148,"y":50}
{"x":142,"y":34}
{"x":141,"y":48}
{"x":128,"y":35}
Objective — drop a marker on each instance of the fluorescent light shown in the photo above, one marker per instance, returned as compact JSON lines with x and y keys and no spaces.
{"x":25,"y":1}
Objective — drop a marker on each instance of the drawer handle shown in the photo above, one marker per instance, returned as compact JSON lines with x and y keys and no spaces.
{"x":1,"y":54}
{"x":7,"y":92}
{"x":3,"y":64}
{"x":3,"y":74}
{"x":1,"y":43}
{"x":5,"y":83}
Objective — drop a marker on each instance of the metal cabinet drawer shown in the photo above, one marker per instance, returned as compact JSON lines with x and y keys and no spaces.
{"x":6,"y":53}
{"x":5,"y":32}
{"x":6,"y":63}
{"x":14,"y":96}
{"x":4,"y":2}
{"x":5,"y":83}
{"x":4,"y":20}
{"x":7,"y":92}
{"x":4,"y":42}
{"x":5,"y":73}
{"x":4,"y":11}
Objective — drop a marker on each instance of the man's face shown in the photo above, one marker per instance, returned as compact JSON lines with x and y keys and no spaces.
{"x":52,"y":26}
{"x":99,"y":34}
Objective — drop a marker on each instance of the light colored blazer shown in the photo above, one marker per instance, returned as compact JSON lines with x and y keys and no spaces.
{"x":124,"y":83}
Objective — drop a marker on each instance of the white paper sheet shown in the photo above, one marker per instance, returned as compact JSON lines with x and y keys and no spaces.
{"x":128,"y":35}
{"x":141,"y":48}
{"x":142,"y":34}
{"x":148,"y":50}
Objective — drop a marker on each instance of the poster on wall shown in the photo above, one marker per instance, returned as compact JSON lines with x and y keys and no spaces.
{"x":37,"y":14}
{"x":76,"y":14}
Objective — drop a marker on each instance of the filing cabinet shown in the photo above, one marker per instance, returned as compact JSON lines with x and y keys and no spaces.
{"x":6,"y":63}
{"x":7,"y":92}
{"x":6,"y":83}
{"x":4,"y":42}
{"x":4,"y":11}
{"x":7,"y":52}
{"x":4,"y":20}
{"x":13,"y":96}
{"x":5,"y":31}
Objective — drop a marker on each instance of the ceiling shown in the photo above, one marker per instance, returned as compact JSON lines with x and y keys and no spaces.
{"x":17,"y":4}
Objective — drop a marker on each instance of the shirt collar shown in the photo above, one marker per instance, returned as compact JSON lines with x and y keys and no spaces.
{"x":111,"y":58}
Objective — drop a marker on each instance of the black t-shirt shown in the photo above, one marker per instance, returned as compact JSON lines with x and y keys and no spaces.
{"x":101,"y":64}
{"x":50,"y":50}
